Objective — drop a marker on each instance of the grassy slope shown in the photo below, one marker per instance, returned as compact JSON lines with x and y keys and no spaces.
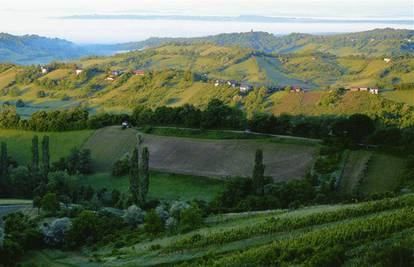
{"x":170,"y":252}
{"x":19,"y":143}
{"x":163,"y":185}
{"x":384,"y":174}
{"x":406,"y":96}
{"x":354,"y":170}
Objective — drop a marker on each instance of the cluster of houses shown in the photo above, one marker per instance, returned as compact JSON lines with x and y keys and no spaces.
{"x":243,"y":87}
{"x":112,"y":75}
{"x":372,"y":90}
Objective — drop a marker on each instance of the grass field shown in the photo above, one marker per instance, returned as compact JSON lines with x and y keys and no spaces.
{"x":354,"y":170}
{"x":202,"y":157}
{"x":384,"y":174}
{"x":165,"y":186}
{"x":403,"y":96}
{"x":19,"y":142}
{"x":252,"y":239}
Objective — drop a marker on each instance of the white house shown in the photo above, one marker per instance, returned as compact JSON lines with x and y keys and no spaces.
{"x":387,"y":60}
{"x":374,"y":91}
{"x":78,"y":71}
{"x":244,"y":88}
{"x":44,"y":70}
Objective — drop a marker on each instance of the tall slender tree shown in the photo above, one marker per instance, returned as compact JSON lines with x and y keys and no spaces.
{"x":45,"y":156}
{"x":134,"y":183}
{"x":258,"y":173}
{"x":144,"y":186}
{"x":4,"y":164}
{"x":35,"y":155}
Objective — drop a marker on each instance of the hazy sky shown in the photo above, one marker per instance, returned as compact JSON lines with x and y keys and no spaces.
{"x":38,"y":17}
{"x":330,"y":8}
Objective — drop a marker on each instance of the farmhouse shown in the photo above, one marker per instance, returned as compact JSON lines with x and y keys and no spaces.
{"x":78,"y":71}
{"x":244,"y":88}
{"x":219,"y":83}
{"x":295,"y":89}
{"x":232,"y":83}
{"x":44,"y":70}
{"x":110,"y":78}
{"x":374,"y":91}
{"x":387,"y":60}
{"x":139,"y":72}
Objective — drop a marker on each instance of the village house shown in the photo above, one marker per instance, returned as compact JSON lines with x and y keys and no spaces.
{"x":110,"y":78}
{"x":374,"y":90}
{"x":78,"y":71}
{"x":139,"y":72}
{"x":44,"y":70}
{"x":295,"y":89}
{"x":244,"y":88}
{"x":219,"y":83}
{"x":387,"y":60}
{"x":232,"y":83}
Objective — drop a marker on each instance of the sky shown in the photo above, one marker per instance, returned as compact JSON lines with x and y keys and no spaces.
{"x":40,"y":17}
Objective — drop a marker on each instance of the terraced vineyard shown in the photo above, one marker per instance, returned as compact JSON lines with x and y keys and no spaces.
{"x":342,"y":235}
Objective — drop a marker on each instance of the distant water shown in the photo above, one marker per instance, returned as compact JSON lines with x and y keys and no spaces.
{"x":116,"y":31}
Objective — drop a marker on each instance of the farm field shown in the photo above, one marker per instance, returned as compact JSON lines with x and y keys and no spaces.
{"x":257,"y":239}
{"x":403,"y":96}
{"x":202,"y":157}
{"x":19,"y":142}
{"x":354,"y":170}
{"x":384,"y":174}
{"x":164,"y":186}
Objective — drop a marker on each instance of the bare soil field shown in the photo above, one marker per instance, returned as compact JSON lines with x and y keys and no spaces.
{"x":211,"y":158}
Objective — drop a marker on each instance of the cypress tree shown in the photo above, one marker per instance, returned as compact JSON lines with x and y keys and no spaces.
{"x":258,"y":173}
{"x":45,"y":156}
{"x":4,"y":162}
{"x":144,"y":186}
{"x":134,"y":177}
{"x":35,"y":155}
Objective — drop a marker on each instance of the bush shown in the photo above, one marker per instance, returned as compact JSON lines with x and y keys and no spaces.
{"x":121,"y":167}
{"x":86,"y":228}
{"x":191,"y":219}
{"x":56,"y":233}
{"x":134,"y":216}
{"x":177,"y":207}
{"x":50,"y":203}
{"x":153,"y":223}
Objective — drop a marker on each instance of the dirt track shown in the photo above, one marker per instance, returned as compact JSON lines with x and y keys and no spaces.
{"x":214,"y":158}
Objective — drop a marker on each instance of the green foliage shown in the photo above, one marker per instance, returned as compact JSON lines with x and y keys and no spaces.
{"x":258,"y":173}
{"x":153,"y":225}
{"x":191,"y":218}
{"x":144,"y":172}
{"x":134,"y":178}
{"x":50,"y":203}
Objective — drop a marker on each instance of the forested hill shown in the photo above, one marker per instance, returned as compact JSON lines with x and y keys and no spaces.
{"x":33,"y":49}
{"x":377,"y":42}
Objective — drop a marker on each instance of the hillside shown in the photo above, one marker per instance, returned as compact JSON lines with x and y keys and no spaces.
{"x":313,"y":236}
{"x":377,"y":42}
{"x":167,"y":80}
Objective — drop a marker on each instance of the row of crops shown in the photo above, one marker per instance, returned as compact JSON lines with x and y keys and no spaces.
{"x":275,"y":224}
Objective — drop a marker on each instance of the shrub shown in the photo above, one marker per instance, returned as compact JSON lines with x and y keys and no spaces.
{"x":162,"y":213}
{"x":177,"y":207}
{"x":191,"y":218}
{"x":134,"y":216}
{"x":153,"y":223}
{"x":50,"y":203}
{"x":86,"y":228}
{"x":56,"y":233}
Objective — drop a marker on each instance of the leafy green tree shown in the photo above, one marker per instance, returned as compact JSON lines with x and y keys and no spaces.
{"x":86,"y":228}
{"x":144,"y":186}
{"x":85,"y":161}
{"x":191,"y":218}
{"x":153,"y":223}
{"x":73,"y":161}
{"x":45,"y":156}
{"x":258,"y":173}
{"x":50,"y":203}
{"x":134,"y":183}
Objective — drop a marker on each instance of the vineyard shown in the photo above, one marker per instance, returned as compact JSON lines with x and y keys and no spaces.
{"x":330,"y":235}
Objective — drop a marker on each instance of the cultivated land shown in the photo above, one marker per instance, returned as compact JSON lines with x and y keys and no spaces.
{"x":244,"y":238}
{"x":354,"y":170}
{"x":210,"y":158}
